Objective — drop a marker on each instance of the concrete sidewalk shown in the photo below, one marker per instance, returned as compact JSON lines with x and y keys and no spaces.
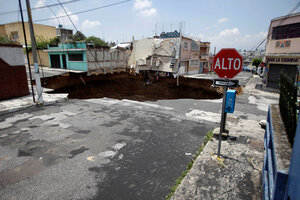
{"x":238,"y":174}
{"x":19,"y":103}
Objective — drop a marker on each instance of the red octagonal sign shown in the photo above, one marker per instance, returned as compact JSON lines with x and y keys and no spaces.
{"x":227,"y":63}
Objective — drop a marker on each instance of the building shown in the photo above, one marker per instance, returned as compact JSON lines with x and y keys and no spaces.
{"x":204,"y":57}
{"x":93,"y":60}
{"x":282,"y":49}
{"x":14,"y":31}
{"x":170,"y":53}
{"x":68,"y":56}
{"x":190,"y":56}
{"x":65,"y":35}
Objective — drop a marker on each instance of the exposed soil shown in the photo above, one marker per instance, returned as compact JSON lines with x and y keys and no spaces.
{"x":134,"y":87}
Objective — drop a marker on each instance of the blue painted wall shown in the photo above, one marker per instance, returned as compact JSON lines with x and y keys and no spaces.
{"x":293,"y":186}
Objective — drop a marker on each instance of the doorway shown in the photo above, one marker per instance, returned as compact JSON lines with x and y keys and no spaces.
{"x":64,"y":61}
{"x":55,"y":61}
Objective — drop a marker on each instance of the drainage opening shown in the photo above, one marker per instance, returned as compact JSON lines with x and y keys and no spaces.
{"x":141,"y":87}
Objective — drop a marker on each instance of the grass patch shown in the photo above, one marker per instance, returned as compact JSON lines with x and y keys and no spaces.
{"x":189,"y":166}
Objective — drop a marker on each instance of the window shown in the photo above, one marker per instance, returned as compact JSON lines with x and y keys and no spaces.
{"x":194,"y":63}
{"x":185,"y":45}
{"x":14,"y":36}
{"x":75,"y":57}
{"x":286,"y":31}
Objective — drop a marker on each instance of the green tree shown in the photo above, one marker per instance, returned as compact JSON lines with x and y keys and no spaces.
{"x":97,"y":42}
{"x":5,"y":40}
{"x":54,"y":41}
{"x":111,"y":44}
{"x":256,"y":62}
{"x":78,"y":36}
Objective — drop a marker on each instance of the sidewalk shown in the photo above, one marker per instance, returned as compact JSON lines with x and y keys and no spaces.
{"x":19,"y":103}
{"x":238,"y":176}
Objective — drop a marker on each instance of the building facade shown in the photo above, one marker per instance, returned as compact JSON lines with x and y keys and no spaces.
{"x":282,"y":49}
{"x":65,"y":35}
{"x":14,"y":31}
{"x":68,"y":56}
{"x":190,"y":56}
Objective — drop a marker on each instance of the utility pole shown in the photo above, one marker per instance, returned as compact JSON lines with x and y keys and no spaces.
{"x":28,"y":61}
{"x":35,"y":60}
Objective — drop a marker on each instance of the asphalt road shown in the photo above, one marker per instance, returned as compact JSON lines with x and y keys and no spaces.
{"x":107,"y":148}
{"x":96,"y":149}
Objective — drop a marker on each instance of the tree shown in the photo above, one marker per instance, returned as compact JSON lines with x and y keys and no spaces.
{"x":111,"y":44}
{"x":256,"y":62}
{"x":78,"y":36}
{"x":54,"y":41}
{"x":97,"y":42}
{"x":5,"y":40}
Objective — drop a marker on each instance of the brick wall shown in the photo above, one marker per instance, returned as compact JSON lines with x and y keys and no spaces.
{"x":13,"y":81}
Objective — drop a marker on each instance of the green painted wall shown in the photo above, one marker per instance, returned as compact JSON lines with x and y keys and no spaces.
{"x":72,"y":65}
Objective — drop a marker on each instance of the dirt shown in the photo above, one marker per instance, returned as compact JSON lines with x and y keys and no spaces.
{"x":142,"y":87}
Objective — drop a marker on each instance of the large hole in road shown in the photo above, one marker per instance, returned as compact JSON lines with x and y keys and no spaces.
{"x":133,"y":87}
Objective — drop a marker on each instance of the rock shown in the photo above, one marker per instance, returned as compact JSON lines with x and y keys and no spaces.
{"x":263,"y":123}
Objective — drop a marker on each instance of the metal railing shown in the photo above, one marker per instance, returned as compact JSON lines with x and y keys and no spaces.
{"x":288,"y":105}
{"x":274,"y":181}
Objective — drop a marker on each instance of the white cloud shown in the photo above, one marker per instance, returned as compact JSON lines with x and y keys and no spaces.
{"x":148,"y":12}
{"x":65,"y":20}
{"x":39,"y":3}
{"x":233,"y":38}
{"x":222,"y":20}
{"x":142,"y":4}
{"x":88,"y":25}
{"x":229,"y":32}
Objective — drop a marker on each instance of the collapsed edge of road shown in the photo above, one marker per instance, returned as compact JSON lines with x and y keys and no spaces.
{"x":207,"y":138}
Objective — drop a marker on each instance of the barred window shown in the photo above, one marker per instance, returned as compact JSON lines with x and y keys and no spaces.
{"x":75,"y":57}
{"x":286,"y":31}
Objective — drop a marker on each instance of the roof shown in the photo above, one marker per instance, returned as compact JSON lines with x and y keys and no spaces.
{"x":282,"y":17}
{"x":19,"y":22}
{"x":173,"y":34}
{"x":122,"y":45}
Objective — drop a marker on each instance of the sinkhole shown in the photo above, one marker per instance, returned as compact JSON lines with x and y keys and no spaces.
{"x":140,"y":87}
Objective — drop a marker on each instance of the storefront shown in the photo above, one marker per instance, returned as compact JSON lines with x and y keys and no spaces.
{"x":275,"y":64}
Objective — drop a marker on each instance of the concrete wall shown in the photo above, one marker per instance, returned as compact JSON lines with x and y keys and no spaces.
{"x":44,"y":31}
{"x":109,"y":60}
{"x":13,"y":81}
{"x":12,"y":54}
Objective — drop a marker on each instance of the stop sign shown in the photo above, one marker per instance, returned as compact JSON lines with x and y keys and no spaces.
{"x":227,"y":63}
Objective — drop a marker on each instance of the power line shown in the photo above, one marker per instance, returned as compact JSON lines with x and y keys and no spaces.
{"x":67,"y":15}
{"x":51,"y":11}
{"x":84,"y":11}
{"x":285,"y":18}
{"x":40,"y":7}
{"x":77,"y":31}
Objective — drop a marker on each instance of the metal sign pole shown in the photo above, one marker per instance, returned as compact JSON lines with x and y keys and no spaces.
{"x":222,"y":124}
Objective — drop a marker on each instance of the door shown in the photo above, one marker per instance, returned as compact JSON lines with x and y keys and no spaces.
{"x":274,"y":74}
{"x":55,"y":61}
{"x":64,"y":61}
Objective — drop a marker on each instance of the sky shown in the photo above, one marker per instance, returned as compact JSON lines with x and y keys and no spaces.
{"x":240,"y":24}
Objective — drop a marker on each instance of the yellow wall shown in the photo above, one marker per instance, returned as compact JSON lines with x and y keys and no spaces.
{"x":46,"y":32}
{"x":43,"y":58}
{"x":2,"y":30}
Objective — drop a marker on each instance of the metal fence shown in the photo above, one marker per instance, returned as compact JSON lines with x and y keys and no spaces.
{"x":274,"y":181}
{"x":288,"y":105}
